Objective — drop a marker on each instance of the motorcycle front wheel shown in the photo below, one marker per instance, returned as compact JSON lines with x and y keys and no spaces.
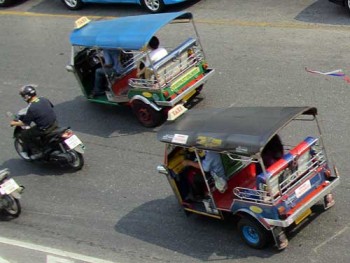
{"x":19,"y":146}
{"x":13,"y":207}
{"x":77,"y":161}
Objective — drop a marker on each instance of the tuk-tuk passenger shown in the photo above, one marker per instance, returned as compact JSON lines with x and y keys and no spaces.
{"x":155,"y":53}
{"x":272,"y":152}
{"x":111,"y":65}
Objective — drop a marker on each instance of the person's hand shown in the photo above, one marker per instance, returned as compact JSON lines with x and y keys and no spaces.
{"x":14,"y":123}
{"x":185,"y":163}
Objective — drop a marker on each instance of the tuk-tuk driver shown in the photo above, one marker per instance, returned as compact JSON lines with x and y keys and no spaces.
{"x":212,"y":164}
{"x":111,"y":65}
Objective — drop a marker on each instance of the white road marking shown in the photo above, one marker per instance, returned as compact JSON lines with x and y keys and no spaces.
{"x":4,"y":260}
{"x":53,"y":251}
{"x":54,"y":259}
{"x":331,"y":238}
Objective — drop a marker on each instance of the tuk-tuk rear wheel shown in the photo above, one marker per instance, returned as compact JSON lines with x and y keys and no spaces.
{"x":73,"y":4}
{"x":252,"y":233}
{"x":146,"y":115}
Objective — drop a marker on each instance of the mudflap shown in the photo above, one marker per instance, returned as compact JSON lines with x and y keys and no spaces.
{"x":80,"y":149}
{"x":280,"y":238}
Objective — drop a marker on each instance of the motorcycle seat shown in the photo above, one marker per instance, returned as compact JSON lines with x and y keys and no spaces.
{"x":56,"y":132}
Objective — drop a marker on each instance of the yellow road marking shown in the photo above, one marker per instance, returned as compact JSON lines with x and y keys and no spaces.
{"x":280,"y":24}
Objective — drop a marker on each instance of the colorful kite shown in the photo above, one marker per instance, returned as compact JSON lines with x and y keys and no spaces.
{"x":334,"y":73}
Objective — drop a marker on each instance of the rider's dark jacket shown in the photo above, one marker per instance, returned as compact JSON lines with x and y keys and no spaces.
{"x":40,"y":111}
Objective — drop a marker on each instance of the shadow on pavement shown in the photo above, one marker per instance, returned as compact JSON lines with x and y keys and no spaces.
{"x":19,"y":167}
{"x":163,"y":223}
{"x":325,"y":12}
{"x":98,"y":119}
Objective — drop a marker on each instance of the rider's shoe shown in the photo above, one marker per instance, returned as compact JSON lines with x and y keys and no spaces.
{"x":36,"y":156}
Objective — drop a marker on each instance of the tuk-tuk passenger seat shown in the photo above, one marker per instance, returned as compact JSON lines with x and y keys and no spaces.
{"x":245,"y":178}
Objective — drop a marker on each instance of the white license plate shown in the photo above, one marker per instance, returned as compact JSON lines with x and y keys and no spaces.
{"x":73,"y":142}
{"x":9,"y":187}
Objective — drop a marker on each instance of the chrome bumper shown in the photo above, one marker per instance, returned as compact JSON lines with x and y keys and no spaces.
{"x":301,"y":210}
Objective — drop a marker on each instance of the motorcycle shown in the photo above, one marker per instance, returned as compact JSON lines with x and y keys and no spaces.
{"x":59,"y":146}
{"x":10,"y":193}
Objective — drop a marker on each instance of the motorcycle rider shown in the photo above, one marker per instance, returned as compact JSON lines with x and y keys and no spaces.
{"x":40,"y":112}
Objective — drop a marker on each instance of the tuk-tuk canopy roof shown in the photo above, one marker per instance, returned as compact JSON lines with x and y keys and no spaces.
{"x":243,"y":130}
{"x":130,"y":33}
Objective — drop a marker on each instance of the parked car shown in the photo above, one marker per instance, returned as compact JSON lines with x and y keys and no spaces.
{"x":345,"y":3}
{"x":271,"y":182}
{"x":4,"y":3}
{"x":153,"y":6}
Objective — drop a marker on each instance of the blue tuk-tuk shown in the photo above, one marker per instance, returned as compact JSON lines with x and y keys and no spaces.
{"x":174,"y":79}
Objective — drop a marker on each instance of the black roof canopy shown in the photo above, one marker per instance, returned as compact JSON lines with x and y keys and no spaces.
{"x":243,"y":130}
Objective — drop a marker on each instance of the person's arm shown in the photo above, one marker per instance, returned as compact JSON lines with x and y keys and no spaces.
{"x":17,"y":123}
{"x":191,"y":163}
{"x":108,"y":60}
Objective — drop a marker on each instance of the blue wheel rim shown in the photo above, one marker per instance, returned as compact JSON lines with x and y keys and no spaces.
{"x":250,"y":234}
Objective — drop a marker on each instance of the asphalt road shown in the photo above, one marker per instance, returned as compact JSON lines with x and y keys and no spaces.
{"x":118,"y":208}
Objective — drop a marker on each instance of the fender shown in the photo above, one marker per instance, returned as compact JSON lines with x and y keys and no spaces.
{"x":146,"y":101}
{"x":251,"y":214}
{"x":17,"y":130}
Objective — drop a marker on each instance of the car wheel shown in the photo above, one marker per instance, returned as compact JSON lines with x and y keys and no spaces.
{"x":4,"y":3}
{"x":73,"y":4}
{"x":146,"y":115}
{"x":153,"y":6}
{"x":347,"y":4}
{"x":252,"y":233}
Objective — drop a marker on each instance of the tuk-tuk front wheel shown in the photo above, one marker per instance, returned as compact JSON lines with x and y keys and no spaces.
{"x":153,"y":6}
{"x":146,"y":115}
{"x":72,"y":4}
{"x":252,"y":233}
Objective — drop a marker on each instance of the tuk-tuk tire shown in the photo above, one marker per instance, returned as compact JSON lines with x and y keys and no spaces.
{"x":146,"y":115}
{"x":252,"y":233}
{"x":75,"y":5}
{"x":160,"y":8}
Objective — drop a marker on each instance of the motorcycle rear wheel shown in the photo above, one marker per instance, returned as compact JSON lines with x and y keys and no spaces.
{"x":19,"y":147}
{"x":77,"y":160}
{"x":14,"y":206}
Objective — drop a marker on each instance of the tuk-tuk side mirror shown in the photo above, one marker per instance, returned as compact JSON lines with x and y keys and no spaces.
{"x":70,"y":68}
{"x":162,"y":170}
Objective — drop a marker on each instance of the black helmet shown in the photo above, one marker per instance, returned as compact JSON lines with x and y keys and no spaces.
{"x":27,"y":92}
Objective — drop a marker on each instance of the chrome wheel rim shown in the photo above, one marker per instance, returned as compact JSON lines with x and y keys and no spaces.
{"x":153,"y":5}
{"x":71,"y":3}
